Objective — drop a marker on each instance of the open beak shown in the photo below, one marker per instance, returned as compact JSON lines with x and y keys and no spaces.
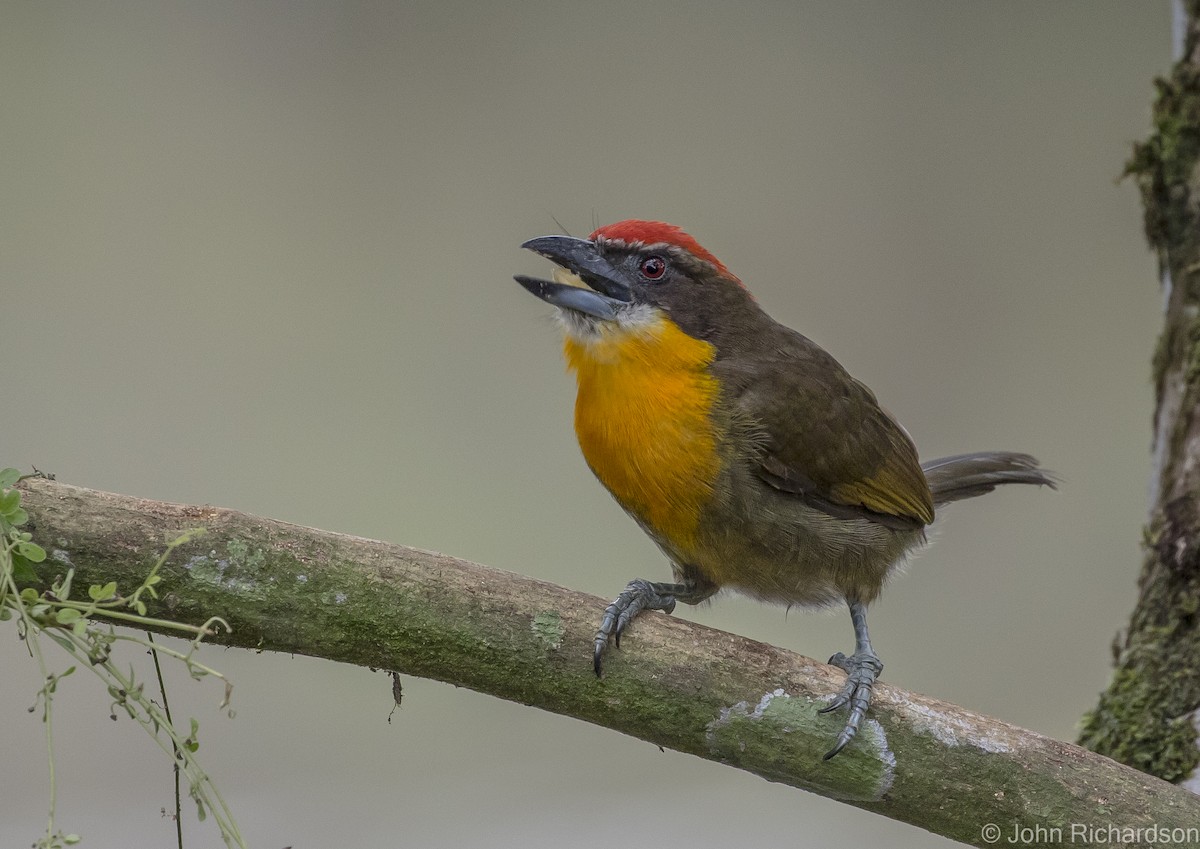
{"x":592,"y":285}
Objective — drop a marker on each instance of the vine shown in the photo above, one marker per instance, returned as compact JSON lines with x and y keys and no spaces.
{"x":84,"y":629}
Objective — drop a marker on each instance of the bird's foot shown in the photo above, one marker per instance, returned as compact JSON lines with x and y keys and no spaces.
{"x":862,"y":669}
{"x":639,"y":595}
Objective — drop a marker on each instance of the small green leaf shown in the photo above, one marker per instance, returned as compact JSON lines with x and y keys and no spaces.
{"x":103,"y":593}
{"x":71,"y":839}
{"x":140,"y":607}
{"x":17,"y":517}
{"x":68,"y":615}
{"x":79,"y":629}
{"x":9,"y":476}
{"x":61,"y":640}
{"x":29,"y":594}
{"x":10,"y":500}
{"x":191,"y":743}
{"x":24,"y":573}
{"x":5,"y":613}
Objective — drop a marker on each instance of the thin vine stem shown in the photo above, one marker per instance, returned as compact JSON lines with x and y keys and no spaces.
{"x":162,"y":689}
{"x":31,"y":630}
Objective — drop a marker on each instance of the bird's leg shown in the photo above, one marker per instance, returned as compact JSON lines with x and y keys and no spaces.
{"x":862,"y":668}
{"x":642,"y":595}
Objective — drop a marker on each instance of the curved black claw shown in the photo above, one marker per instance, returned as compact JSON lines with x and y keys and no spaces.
{"x":639,"y":595}
{"x":862,"y":669}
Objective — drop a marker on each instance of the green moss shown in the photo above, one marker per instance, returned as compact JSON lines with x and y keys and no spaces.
{"x":1163,"y":164}
{"x":548,"y":626}
{"x":1129,"y":726}
{"x":242,"y":556}
{"x":204,"y":569}
{"x":1144,"y":718}
{"x":1179,"y":343}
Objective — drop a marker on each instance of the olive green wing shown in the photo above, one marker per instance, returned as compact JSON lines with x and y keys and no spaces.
{"x":825,"y":439}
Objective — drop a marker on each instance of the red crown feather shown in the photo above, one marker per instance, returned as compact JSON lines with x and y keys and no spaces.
{"x":656,"y":232}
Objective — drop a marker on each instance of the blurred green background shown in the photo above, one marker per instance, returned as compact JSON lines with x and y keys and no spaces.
{"x":259,"y":255}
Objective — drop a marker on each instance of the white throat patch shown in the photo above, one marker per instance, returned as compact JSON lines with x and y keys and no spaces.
{"x":630,"y":318}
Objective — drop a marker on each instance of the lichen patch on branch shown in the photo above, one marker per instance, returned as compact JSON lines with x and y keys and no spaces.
{"x":780,"y":728}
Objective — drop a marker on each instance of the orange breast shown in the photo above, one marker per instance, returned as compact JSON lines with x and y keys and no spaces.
{"x":643,"y":419}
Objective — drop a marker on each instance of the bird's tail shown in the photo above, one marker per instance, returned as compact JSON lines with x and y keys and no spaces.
{"x":968,"y":475}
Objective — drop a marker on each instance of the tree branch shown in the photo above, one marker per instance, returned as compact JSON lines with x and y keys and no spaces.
{"x":288,"y":588}
{"x":1149,"y":716}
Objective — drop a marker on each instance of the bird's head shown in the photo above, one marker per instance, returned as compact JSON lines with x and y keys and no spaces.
{"x":633,"y":275}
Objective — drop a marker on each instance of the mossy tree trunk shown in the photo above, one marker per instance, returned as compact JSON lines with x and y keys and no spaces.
{"x":1149,"y":717}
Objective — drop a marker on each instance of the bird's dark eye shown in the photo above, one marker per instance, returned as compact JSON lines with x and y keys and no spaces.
{"x":653,"y":267}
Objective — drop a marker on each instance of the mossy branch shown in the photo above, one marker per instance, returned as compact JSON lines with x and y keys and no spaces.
{"x":288,"y":588}
{"x":1147,"y":716}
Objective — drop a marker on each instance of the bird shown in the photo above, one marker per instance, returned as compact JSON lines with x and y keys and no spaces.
{"x":744,"y":450}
